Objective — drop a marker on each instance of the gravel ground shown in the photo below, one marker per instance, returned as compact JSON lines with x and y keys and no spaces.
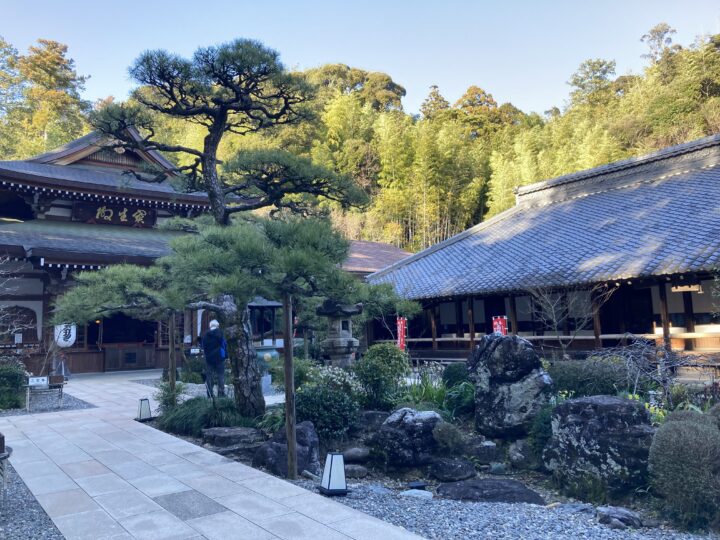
{"x":41,"y":403}
{"x":21,"y":516}
{"x":447,"y":519}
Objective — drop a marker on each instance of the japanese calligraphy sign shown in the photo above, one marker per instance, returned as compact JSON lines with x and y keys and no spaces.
{"x":65,"y":335}
{"x":107,"y":214}
{"x":401,"y":332}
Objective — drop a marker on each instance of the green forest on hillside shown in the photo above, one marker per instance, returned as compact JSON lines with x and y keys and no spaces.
{"x":432,"y":175}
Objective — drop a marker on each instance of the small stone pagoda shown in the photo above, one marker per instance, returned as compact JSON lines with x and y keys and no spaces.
{"x":339,"y":348}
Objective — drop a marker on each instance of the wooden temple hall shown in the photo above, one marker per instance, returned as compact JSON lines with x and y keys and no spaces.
{"x":87,"y":205}
{"x":646,"y":228}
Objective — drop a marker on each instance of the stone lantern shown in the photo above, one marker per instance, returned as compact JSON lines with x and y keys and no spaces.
{"x":340,"y":346}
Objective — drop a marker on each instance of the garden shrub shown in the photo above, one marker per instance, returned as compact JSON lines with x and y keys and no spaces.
{"x":450,"y":439}
{"x":684,"y":468}
{"x":380,"y":372}
{"x":12,"y":378}
{"x":167,"y":397}
{"x":589,"y":377}
{"x":540,"y":430}
{"x":455,"y":373}
{"x":304,"y":372}
{"x":192,"y":416}
{"x":192,"y":370}
{"x":332,"y":410}
{"x":460,"y":399}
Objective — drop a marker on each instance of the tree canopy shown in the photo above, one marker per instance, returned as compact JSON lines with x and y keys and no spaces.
{"x":426,"y":177}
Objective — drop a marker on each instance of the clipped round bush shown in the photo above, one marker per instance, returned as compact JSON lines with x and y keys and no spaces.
{"x":192,"y":416}
{"x":450,"y":440}
{"x":380,"y":372}
{"x":685,"y":471}
{"x":455,"y":373}
{"x":691,"y":416}
{"x":588,"y":377}
{"x":714,"y":412}
{"x":331,"y":410}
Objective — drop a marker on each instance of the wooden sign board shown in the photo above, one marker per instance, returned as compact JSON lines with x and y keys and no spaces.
{"x":106,"y":214}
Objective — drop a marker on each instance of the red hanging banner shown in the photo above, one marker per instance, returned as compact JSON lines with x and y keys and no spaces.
{"x":401,"y":332}
{"x":500,"y":325}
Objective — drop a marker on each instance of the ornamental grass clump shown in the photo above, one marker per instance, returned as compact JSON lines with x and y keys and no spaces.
{"x":380,"y":372}
{"x":192,"y":416}
{"x":684,"y":467}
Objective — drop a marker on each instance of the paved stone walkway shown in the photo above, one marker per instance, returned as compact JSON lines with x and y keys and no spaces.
{"x":101,"y":475}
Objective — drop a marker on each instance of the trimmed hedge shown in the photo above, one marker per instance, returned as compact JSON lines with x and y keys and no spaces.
{"x":589,"y":377}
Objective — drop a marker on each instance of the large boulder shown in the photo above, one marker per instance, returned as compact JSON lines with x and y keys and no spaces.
{"x":228,"y":436}
{"x":600,"y":442}
{"x":490,"y":490}
{"x":452,"y":470}
{"x":510,"y":385}
{"x":240,"y":443}
{"x":406,"y":437}
{"x":272,"y":455}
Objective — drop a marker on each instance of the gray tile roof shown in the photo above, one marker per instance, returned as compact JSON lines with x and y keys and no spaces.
{"x":365,"y":257}
{"x":71,"y":177}
{"x":649,"y":216}
{"x":71,"y":241}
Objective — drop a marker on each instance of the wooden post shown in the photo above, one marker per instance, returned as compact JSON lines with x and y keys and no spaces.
{"x":689,"y":319}
{"x":261,"y":325}
{"x":172,"y":360}
{"x":471,"y":320}
{"x":513,"y":315}
{"x":459,"y":331}
{"x":597,"y":329}
{"x":664,"y":315}
{"x":272,"y":324}
{"x":433,"y":328}
{"x":289,"y":387}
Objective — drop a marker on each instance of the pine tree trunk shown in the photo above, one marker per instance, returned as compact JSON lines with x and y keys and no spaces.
{"x":246,"y":376}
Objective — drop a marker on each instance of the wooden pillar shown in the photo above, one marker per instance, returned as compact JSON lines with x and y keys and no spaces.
{"x":433,"y":327}
{"x":512,"y":312}
{"x":272,"y":325}
{"x":597,"y":328}
{"x":664,"y":315}
{"x":289,"y":387}
{"x":261,"y":325}
{"x":172,"y":358}
{"x":459,"y":331}
{"x":471,"y":320}
{"x":689,"y":319}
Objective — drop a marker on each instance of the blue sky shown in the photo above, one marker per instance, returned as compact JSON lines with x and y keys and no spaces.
{"x":519,"y":50}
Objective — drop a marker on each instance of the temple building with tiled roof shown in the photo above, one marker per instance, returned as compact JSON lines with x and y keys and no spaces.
{"x":89,"y":204}
{"x":648,"y":227}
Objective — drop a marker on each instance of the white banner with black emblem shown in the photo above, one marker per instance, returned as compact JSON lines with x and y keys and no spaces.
{"x":65,"y":335}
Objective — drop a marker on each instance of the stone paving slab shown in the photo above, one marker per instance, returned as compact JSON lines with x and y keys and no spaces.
{"x":101,"y":475}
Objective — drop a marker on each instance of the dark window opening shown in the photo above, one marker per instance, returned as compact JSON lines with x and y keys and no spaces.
{"x":13,"y":206}
{"x":123,"y":329}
